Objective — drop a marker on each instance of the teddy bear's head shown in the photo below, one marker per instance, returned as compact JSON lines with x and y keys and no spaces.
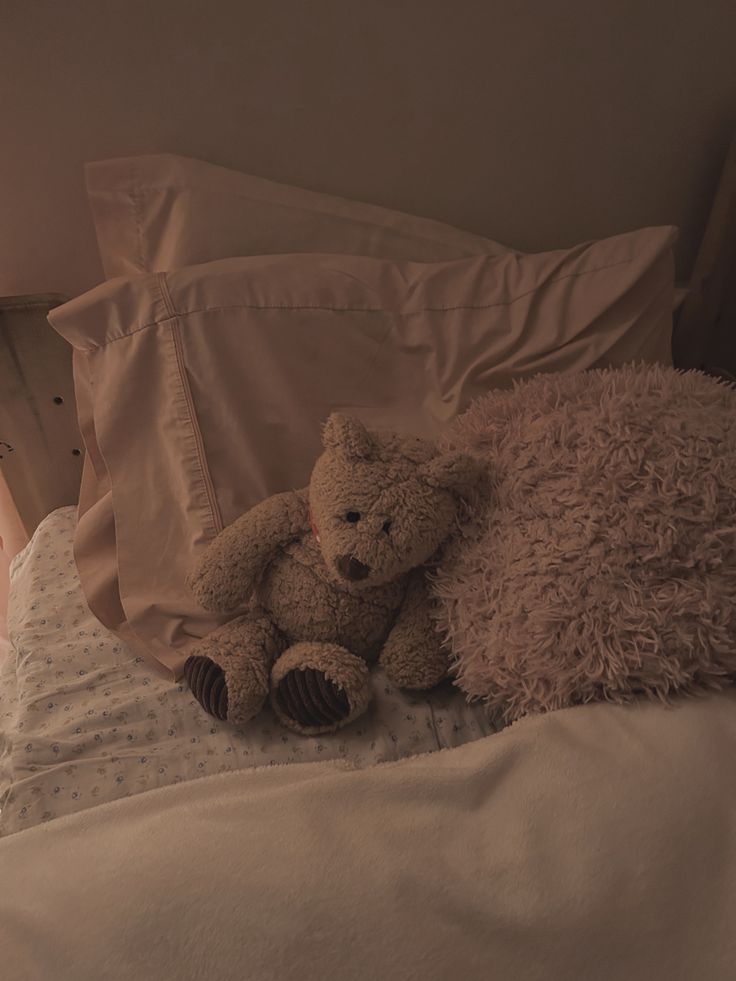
{"x":382,"y":504}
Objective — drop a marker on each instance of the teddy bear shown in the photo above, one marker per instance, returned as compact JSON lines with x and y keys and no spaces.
{"x":328,"y":580}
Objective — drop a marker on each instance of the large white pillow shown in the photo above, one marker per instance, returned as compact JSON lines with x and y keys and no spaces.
{"x":163,"y":211}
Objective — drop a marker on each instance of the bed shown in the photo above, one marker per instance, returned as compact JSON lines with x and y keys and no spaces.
{"x":429,"y":839}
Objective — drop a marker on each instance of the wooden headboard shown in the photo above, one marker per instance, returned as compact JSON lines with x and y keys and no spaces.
{"x":41,"y":450}
{"x":40,"y":445}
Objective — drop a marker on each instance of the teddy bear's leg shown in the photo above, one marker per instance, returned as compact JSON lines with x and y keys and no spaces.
{"x":318,"y":688}
{"x":228,"y":672}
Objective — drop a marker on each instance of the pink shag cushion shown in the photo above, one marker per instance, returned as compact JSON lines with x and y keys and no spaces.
{"x":605,"y":565}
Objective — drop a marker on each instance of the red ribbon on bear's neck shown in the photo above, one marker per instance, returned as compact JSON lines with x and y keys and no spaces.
{"x":313,"y":526}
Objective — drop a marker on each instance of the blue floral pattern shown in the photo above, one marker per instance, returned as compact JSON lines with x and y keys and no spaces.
{"x":84,"y":721}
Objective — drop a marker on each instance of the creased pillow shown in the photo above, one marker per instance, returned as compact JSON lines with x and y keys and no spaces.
{"x":162,"y":211}
{"x":158,"y":212}
{"x":605,"y":565}
{"x":209,"y":384}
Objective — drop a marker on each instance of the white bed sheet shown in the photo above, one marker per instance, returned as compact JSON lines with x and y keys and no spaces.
{"x":83,"y":721}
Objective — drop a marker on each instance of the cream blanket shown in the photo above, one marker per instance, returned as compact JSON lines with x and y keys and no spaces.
{"x":592,"y":843}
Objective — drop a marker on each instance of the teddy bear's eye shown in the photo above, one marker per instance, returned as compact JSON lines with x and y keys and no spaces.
{"x":387,"y":527}
{"x":352,"y":516}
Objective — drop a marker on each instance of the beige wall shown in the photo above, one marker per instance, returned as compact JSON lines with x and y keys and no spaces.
{"x":536,"y":123}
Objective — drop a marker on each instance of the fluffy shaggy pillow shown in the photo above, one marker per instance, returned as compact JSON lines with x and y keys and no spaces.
{"x":605,"y":565}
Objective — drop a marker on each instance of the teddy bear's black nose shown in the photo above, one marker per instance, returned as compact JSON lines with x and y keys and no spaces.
{"x":351,"y":568}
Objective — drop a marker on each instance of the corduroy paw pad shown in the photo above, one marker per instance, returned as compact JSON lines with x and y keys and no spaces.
{"x":309,"y":698}
{"x":207,"y":682}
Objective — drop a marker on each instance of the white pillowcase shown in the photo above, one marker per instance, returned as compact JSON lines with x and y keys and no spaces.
{"x":160,"y":212}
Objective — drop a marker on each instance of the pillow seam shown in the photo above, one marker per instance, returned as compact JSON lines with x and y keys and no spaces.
{"x":193,"y":424}
{"x":316,"y":306}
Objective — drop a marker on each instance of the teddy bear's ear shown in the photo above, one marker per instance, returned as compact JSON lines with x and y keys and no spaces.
{"x":456,"y":472}
{"x":347,"y":435}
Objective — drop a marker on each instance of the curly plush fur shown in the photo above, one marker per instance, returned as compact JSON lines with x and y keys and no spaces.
{"x":336,"y":577}
{"x":606,"y":566}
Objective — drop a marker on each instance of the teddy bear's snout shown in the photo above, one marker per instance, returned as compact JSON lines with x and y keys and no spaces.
{"x":351,"y":568}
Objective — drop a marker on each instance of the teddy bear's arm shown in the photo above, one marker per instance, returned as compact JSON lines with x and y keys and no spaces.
{"x":232,"y":563}
{"x":413,"y":655}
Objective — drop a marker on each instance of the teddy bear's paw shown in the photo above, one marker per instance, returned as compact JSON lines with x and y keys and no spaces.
{"x":235,"y":695}
{"x":207,"y":682}
{"x":318,"y":688}
{"x":309,"y":698}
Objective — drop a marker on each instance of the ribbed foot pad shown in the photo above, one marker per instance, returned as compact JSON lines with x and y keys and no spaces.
{"x":207,"y":682}
{"x":311,"y":699}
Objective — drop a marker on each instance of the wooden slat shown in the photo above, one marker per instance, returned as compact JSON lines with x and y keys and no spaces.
{"x":41,"y":451}
{"x":706,"y":327}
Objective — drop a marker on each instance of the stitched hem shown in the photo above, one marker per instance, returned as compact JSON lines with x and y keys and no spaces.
{"x":334,"y":309}
{"x":204,"y":474}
